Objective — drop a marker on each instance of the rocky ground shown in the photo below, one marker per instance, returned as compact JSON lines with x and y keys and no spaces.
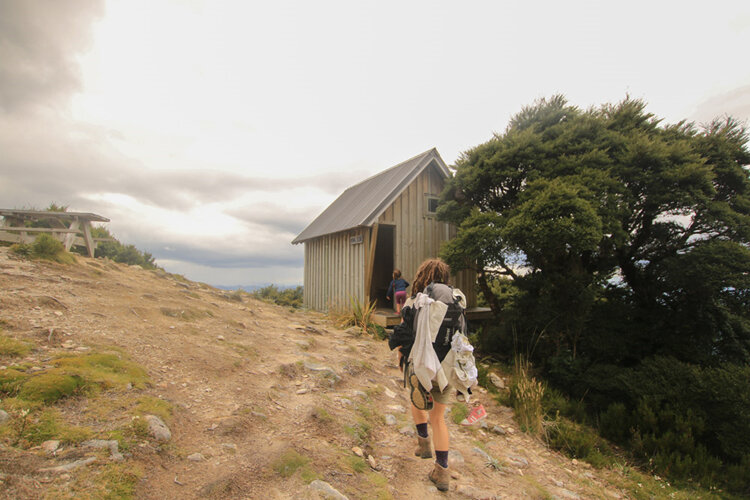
{"x":267,"y":402}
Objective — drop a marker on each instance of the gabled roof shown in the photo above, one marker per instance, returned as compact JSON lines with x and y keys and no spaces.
{"x":362,"y":204}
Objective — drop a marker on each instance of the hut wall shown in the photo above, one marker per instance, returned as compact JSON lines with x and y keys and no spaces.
{"x":335,"y":269}
{"x":419,"y":234}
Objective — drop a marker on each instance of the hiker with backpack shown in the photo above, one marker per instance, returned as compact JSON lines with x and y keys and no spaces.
{"x":434,"y":353}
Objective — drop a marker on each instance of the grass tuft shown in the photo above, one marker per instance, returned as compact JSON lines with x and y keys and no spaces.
{"x":526,"y":395}
{"x":290,"y":462}
{"x":459,"y":411}
{"x":13,"y":348}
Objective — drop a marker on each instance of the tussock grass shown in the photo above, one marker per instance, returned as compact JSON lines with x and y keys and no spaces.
{"x":357,"y":314}
{"x":11,"y":381}
{"x":103,"y":370}
{"x":526,"y":397}
{"x":149,"y":405}
{"x":12,"y":347}
{"x":290,"y":462}
{"x":185,"y":314}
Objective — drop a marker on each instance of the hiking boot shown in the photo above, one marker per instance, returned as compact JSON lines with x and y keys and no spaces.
{"x":423,"y":448}
{"x":441,"y":477}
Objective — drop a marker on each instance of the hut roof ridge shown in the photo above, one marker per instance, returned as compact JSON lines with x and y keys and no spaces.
{"x":361,"y":204}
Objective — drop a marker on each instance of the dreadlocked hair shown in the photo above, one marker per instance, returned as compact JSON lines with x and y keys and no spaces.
{"x":430,"y":270}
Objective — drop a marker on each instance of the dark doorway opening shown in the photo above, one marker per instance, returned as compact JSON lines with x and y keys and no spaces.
{"x":382,"y":270}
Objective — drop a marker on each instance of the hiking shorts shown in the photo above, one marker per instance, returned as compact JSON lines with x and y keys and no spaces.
{"x":400,"y":297}
{"x":445,"y":397}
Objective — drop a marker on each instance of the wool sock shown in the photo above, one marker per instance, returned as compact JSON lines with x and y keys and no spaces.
{"x":441,"y":457}
{"x":422,"y":430}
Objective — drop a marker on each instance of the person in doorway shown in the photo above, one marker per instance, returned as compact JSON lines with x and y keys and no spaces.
{"x":397,"y":290}
{"x":415,"y":346}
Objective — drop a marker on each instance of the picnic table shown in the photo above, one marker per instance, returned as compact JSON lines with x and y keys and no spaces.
{"x":72,"y":228}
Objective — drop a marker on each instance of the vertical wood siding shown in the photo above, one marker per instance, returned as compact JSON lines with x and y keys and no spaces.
{"x":335,"y":269}
{"x":418,"y":234}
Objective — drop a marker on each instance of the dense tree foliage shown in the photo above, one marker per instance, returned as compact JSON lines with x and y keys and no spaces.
{"x":603,"y":240}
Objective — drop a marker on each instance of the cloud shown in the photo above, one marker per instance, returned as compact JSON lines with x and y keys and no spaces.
{"x":38,"y":44}
{"x":276,"y":216}
{"x":735,"y":103}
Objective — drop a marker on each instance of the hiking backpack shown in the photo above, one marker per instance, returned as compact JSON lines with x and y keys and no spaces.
{"x":454,"y":320}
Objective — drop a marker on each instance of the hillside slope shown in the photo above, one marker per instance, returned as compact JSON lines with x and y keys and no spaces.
{"x":264,"y":400}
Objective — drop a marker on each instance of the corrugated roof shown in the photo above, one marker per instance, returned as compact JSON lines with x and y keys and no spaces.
{"x":362,"y":204}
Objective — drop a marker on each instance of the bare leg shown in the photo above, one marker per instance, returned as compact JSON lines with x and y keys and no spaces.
{"x":419,"y":416}
{"x":440,"y":436}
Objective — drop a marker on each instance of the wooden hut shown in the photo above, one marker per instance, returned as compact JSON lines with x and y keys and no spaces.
{"x":387,"y":221}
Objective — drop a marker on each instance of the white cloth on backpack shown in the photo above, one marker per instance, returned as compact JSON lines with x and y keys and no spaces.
{"x":464,"y":371}
{"x":426,"y":363}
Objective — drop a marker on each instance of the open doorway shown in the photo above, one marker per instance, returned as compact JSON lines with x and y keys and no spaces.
{"x":382,"y":270}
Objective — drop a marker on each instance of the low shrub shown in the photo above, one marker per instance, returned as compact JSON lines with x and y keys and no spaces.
{"x":46,"y":247}
{"x":287,"y":297}
{"x":125,"y":254}
{"x":578,"y":441}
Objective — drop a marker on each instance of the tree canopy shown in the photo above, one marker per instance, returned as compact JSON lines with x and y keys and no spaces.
{"x":613,"y":250}
{"x":569,"y":203}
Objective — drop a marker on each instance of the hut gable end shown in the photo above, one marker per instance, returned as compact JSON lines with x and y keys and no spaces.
{"x":362,"y":204}
{"x":383,"y":222}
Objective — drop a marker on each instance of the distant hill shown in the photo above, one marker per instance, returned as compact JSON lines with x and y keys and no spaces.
{"x":252,"y":288}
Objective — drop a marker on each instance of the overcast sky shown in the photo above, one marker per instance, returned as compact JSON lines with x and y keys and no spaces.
{"x":212,"y":132}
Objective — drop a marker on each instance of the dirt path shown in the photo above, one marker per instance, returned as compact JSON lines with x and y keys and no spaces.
{"x":251,"y":384}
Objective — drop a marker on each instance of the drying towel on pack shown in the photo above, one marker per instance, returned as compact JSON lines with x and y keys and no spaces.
{"x":426,"y":363}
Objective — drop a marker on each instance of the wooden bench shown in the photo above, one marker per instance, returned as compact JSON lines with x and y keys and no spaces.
{"x":74,"y":227}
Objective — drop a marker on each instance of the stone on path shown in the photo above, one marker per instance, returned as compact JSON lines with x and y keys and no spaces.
{"x":455,"y":457}
{"x":327,"y":490}
{"x":157,"y":428}
{"x":70,"y":466}
{"x":497,"y":381}
{"x":112,"y":444}
{"x":475,"y":493}
{"x":4,"y":417}
{"x":196,"y":457}
{"x":51,"y":445}
{"x":407,"y":430}
{"x":390,"y":419}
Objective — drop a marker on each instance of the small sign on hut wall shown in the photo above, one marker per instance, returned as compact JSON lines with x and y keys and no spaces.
{"x":355,"y":240}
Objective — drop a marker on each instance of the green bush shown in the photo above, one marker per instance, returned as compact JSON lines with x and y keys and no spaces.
{"x":125,"y":254}
{"x":46,"y":247}
{"x":21,"y":249}
{"x":615,"y":423}
{"x":578,"y":441}
{"x":288,"y":297}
